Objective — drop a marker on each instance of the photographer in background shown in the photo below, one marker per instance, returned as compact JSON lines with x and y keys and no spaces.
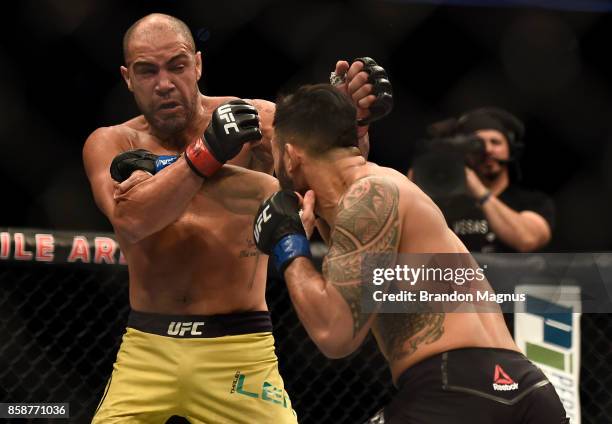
{"x":489,"y":212}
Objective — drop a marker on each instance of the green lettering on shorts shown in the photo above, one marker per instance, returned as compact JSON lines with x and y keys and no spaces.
{"x":241,"y":391}
{"x":272,"y":393}
{"x":269,"y":392}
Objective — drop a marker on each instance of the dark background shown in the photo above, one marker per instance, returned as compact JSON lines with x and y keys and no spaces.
{"x":59,"y":80}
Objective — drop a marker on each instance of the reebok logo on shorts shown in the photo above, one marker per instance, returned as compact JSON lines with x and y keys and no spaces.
{"x":502,"y":381}
{"x":178,"y":328}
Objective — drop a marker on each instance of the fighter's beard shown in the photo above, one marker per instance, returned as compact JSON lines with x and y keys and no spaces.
{"x":170,"y":129}
{"x":285,"y":181}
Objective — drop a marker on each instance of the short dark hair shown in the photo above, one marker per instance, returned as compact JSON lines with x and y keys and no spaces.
{"x":317,"y":117}
{"x":169,"y":21}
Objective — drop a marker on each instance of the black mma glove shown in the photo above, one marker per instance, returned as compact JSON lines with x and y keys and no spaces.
{"x":381,"y":88}
{"x":125,"y":163}
{"x":278,"y":229}
{"x":232,"y":124}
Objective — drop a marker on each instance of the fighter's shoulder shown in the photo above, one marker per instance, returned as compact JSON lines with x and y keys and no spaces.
{"x":411,"y":200}
{"x":373,"y":190}
{"x":263,"y":106}
{"x":212,"y":102}
{"x":418,"y":207}
{"x":386,"y":178}
{"x":121,"y":136}
{"x":100,"y":143}
{"x":405,"y":187}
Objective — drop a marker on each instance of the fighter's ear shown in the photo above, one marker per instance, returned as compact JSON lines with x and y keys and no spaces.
{"x":198,"y":65}
{"x":126,"y":77}
{"x":294,"y":157}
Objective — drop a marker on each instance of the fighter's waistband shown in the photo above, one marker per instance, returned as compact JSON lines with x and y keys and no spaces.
{"x":478,"y":357}
{"x":201,"y":326}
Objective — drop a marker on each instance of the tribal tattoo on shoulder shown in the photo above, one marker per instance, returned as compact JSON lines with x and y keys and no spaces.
{"x":367,"y":222}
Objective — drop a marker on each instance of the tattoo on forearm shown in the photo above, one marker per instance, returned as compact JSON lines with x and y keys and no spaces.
{"x":367,"y":222}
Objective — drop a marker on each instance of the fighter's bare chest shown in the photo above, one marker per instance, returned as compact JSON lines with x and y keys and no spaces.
{"x":221,"y":212}
{"x":203,"y":232}
{"x":213,"y":215}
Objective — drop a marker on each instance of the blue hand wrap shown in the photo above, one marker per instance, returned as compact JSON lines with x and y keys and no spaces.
{"x":289,"y":248}
{"x":163,"y":161}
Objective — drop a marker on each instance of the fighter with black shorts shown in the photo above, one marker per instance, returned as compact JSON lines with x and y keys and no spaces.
{"x":449,"y":367}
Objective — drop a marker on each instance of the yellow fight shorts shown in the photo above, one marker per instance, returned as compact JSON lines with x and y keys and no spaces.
{"x":209,"y":369}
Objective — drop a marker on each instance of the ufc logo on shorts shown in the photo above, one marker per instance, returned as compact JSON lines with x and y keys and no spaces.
{"x":225,"y":113}
{"x":264,"y":217}
{"x":177,"y":328}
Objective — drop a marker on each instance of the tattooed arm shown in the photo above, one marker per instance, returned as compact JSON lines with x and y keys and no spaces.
{"x":329,"y":305}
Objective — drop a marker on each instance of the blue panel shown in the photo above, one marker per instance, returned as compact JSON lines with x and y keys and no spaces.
{"x":548,"y":310}
{"x":557,"y":336}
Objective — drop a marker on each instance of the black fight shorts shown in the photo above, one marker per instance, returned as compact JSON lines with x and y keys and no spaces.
{"x":474,"y":386}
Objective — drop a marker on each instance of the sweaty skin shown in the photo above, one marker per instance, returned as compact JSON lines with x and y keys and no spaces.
{"x":188,"y":242}
{"x":204,"y":262}
{"x":372,"y":209}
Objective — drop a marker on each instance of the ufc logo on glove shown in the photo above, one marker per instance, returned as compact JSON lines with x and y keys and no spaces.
{"x":226,"y":114}
{"x":264,"y":217}
{"x":283,"y":237}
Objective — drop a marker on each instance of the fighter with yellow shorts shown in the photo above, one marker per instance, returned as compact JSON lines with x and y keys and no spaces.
{"x":208,"y":369}
{"x":186,"y":179}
